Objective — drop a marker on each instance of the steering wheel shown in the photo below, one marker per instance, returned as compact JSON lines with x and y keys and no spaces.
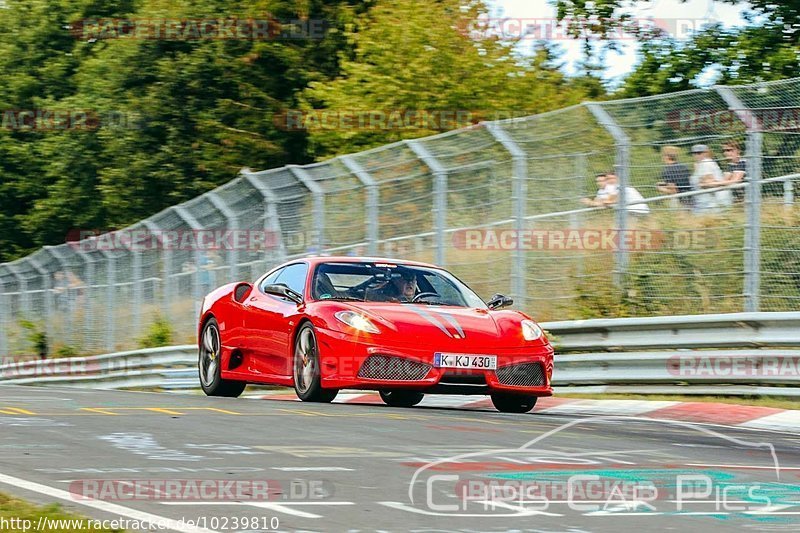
{"x":422,"y":295}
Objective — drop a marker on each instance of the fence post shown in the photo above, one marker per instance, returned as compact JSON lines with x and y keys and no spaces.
{"x":156,"y":237}
{"x":233,"y":223}
{"x":5,"y":312}
{"x":111,"y":288}
{"x":622,"y":169}
{"x":519,"y":198}
{"x":318,"y":197}
{"x":272,"y":222}
{"x":22,"y":288}
{"x":197,"y":293}
{"x":88,"y":281}
{"x":788,"y":192}
{"x":752,"y":206}
{"x":136,"y":287}
{"x":439,"y":196}
{"x":47,"y":293}
{"x":371,"y":205}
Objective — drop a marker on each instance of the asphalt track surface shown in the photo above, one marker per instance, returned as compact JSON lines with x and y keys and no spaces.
{"x":341,"y":467}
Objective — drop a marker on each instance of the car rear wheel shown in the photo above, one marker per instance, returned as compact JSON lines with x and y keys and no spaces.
{"x":513,"y":403}
{"x":209,"y":365}
{"x":306,"y":373}
{"x":401,"y":398}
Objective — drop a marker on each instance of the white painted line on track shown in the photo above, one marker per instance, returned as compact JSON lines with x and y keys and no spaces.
{"x":278,"y":507}
{"x":113,"y":508}
{"x":313,"y":469}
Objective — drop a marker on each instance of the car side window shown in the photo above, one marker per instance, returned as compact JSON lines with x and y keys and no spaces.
{"x":294,"y":277}
{"x":269,"y":280}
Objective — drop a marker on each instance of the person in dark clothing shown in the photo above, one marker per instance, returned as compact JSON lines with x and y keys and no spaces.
{"x":737,"y":168}
{"x":675,"y":177}
{"x":401,"y":288}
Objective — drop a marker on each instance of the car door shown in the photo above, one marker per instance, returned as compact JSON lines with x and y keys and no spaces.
{"x":268,"y":321}
{"x":257,"y":317}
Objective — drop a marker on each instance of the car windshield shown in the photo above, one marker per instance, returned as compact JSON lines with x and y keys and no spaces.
{"x":391,"y":282}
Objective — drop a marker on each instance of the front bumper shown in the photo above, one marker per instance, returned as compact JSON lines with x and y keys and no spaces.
{"x":342,"y":361}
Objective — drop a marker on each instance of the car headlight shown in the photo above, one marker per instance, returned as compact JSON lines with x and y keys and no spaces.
{"x":531,"y":330}
{"x":356,"y":321}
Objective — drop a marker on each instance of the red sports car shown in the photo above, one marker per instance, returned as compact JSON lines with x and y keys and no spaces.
{"x":403,"y":328}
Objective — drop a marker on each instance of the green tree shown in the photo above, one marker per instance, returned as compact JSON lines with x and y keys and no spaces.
{"x":766,"y":47}
{"x":415,"y":56}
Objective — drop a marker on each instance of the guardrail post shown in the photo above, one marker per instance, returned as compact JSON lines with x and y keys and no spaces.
{"x":752,"y":228}
{"x":439,"y":196}
{"x":622,"y":169}
{"x":318,"y":197}
{"x":519,"y":198}
{"x":233,"y":225}
{"x":372,"y":213}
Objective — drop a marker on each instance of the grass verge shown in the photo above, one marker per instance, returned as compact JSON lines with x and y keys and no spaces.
{"x":18,"y":515}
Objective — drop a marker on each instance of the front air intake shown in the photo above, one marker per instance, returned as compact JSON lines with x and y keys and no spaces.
{"x":524,"y":375}
{"x":392,"y":368}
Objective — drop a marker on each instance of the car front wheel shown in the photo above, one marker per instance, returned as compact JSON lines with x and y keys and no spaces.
{"x":209,"y":364}
{"x":306,"y":368}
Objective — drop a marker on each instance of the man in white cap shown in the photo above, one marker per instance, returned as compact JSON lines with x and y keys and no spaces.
{"x":707,"y":175}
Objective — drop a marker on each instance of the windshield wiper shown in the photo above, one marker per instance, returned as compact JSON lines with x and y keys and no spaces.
{"x":348,"y":298}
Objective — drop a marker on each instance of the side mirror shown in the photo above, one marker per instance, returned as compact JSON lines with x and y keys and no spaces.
{"x":241,"y":291}
{"x":498,"y":301}
{"x":279,"y":289}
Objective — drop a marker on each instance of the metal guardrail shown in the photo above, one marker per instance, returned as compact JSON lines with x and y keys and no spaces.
{"x":663,"y":355}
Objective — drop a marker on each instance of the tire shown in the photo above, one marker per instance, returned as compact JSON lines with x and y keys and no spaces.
{"x":306,"y":368}
{"x":208,"y":368}
{"x":401,"y":398}
{"x":513,"y":403}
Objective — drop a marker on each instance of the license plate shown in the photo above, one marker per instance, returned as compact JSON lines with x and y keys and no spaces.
{"x":464,"y":360}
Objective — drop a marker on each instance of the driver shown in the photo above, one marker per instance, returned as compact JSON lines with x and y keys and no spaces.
{"x":402,"y":287}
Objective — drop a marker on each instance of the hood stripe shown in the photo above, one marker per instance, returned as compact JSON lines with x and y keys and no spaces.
{"x":427,"y":316}
{"x":453,"y":322}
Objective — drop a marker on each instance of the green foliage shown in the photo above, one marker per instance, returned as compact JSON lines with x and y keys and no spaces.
{"x":66,"y":351}
{"x":160,"y":333}
{"x":36,"y":336}
{"x":16,"y":512}
{"x":195,"y":111}
{"x":410,"y":58}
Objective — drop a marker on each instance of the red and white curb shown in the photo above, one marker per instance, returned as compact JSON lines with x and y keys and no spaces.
{"x":746,"y":416}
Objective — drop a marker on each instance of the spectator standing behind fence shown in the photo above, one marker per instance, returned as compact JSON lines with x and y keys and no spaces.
{"x":707,"y":175}
{"x":601,"y":198}
{"x":737,"y":168}
{"x":675,"y":177}
{"x":608,"y":193}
